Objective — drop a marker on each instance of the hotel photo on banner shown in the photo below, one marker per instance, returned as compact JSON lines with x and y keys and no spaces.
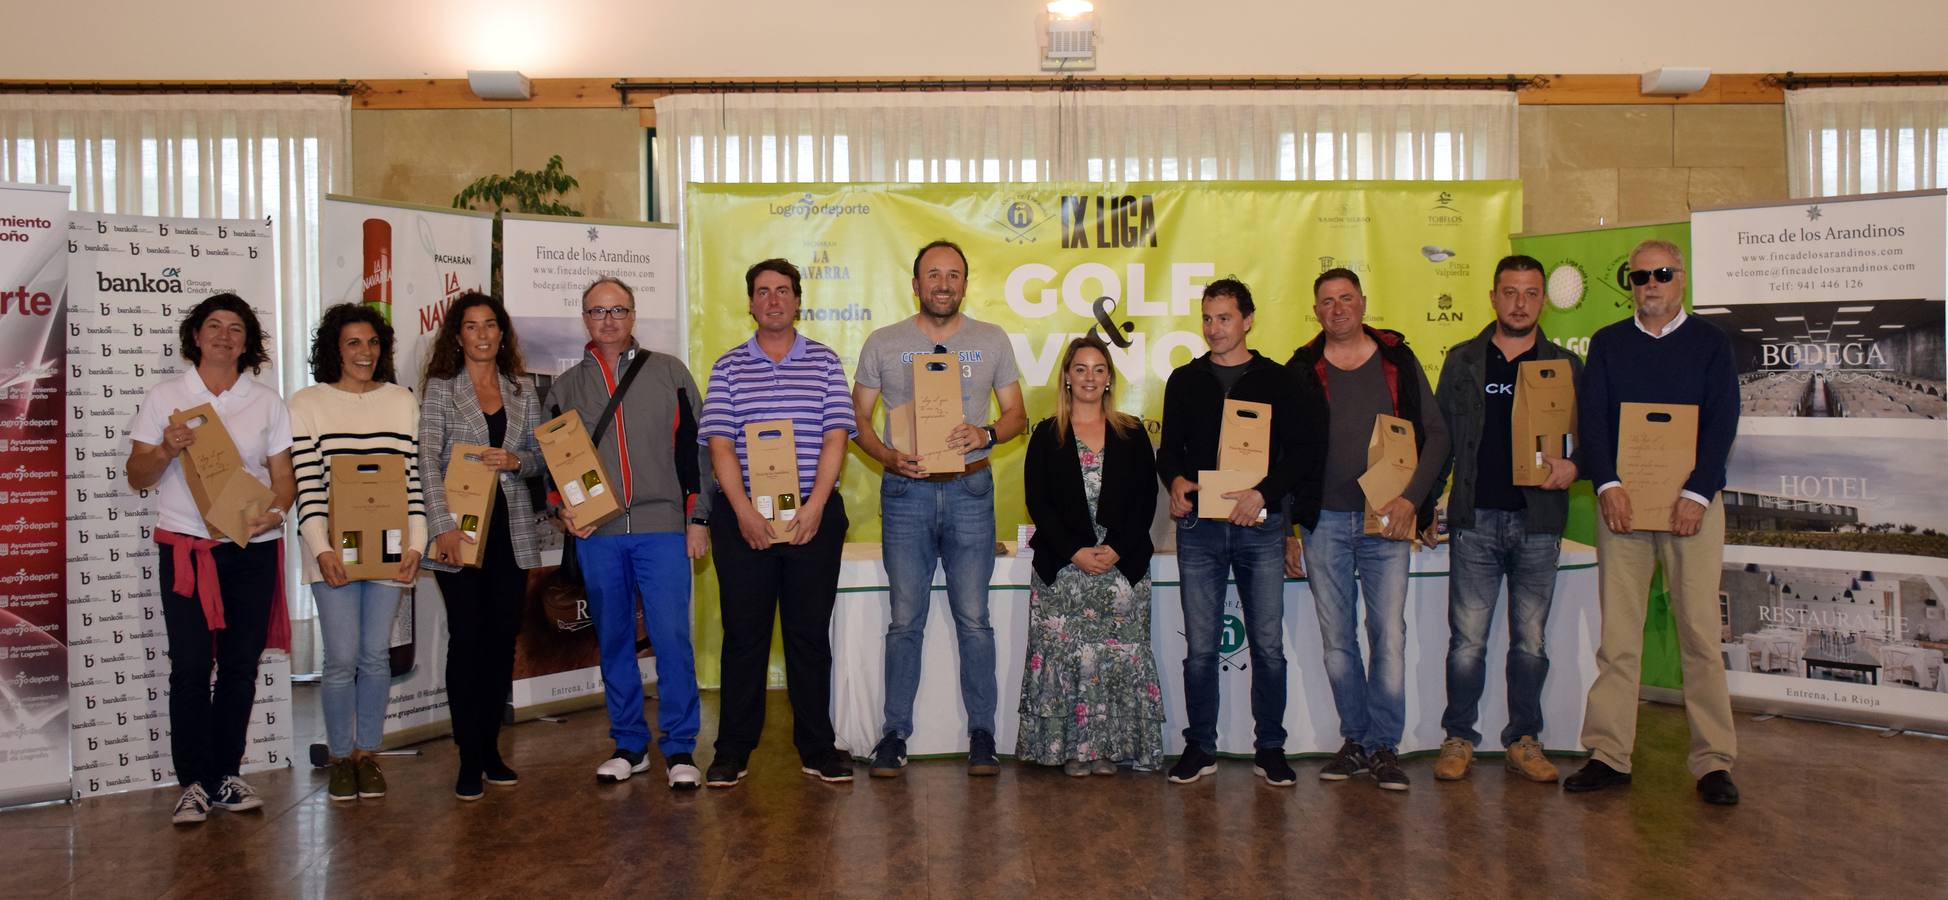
{"x":1035,"y":448}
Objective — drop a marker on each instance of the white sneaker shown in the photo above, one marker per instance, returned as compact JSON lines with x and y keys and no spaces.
{"x":622,"y":765}
{"x":683,"y":772}
{"x":194,"y":806}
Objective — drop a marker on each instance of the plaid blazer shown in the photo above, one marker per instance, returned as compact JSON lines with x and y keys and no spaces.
{"x":450,"y":414}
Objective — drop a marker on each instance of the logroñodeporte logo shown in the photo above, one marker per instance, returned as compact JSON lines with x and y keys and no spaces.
{"x":805,"y":206}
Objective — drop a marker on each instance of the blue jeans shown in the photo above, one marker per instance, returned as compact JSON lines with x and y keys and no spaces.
{"x":617,"y":570}
{"x":1208,"y":550}
{"x":355,"y":622}
{"x":952,"y":522}
{"x":1343,"y":563}
{"x":1478,"y":558}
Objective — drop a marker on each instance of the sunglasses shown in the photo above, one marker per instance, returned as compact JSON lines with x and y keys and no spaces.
{"x":1663,"y":274}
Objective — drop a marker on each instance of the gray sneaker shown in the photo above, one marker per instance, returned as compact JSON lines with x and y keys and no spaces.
{"x":194,"y":806}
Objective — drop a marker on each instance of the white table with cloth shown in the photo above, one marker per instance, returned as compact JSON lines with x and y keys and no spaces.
{"x":1906,"y":662}
{"x":1779,"y":651}
{"x":940,"y":722}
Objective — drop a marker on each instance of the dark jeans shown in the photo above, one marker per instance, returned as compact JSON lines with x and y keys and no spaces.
{"x":1479,"y":558}
{"x":207,"y":725}
{"x":798,"y":584}
{"x":483,"y":617}
{"x":1209,"y":552}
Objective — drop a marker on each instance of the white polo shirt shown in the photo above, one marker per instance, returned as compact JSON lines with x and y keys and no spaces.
{"x":252,"y":412}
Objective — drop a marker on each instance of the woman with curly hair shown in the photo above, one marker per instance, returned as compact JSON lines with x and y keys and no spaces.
{"x":222,"y":604}
{"x":354,"y":409}
{"x":476,"y":392}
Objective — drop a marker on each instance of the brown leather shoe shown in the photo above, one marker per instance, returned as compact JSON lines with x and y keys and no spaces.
{"x":1525,"y":759}
{"x":1456,"y":755}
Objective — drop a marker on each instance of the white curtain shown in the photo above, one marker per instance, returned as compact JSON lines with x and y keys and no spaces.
{"x":1866,"y":140}
{"x":1092,"y":136}
{"x":248,"y":156}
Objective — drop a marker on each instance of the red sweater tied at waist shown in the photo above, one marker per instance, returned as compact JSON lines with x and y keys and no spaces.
{"x":196,"y":576}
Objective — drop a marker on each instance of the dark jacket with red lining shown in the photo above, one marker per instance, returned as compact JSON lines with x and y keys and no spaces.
{"x":1311,"y":371}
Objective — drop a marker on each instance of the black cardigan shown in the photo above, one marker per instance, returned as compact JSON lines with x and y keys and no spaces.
{"x":1053,"y":477}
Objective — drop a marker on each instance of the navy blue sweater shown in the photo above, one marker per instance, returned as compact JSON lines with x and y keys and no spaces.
{"x":1690,"y":365}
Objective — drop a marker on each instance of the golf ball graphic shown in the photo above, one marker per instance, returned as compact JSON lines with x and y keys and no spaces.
{"x":1565,"y":287}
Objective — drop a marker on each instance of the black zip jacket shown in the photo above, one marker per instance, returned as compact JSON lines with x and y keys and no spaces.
{"x":1193,"y":414}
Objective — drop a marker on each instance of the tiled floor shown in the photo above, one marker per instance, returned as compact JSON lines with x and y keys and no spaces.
{"x":1829,"y":812}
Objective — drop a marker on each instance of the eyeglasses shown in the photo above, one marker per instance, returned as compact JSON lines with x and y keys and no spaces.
{"x":608,"y":312}
{"x":1663,"y":274}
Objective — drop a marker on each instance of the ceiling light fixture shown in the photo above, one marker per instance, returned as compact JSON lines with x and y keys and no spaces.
{"x":499,"y":84}
{"x":1671,"y":81}
{"x":1068,"y":36}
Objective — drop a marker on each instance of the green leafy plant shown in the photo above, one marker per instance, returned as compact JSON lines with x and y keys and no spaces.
{"x":536,"y":193}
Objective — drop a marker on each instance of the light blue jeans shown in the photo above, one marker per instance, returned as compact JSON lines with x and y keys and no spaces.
{"x":1344,"y":563}
{"x":356,"y":624}
{"x":951,"y":522}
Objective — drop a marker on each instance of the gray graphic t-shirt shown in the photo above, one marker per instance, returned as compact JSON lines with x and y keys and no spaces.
{"x":987,"y":362}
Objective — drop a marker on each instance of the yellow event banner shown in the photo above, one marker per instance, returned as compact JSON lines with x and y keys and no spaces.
{"x":1048,"y":262}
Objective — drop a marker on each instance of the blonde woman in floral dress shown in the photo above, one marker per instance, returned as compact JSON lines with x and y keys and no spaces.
{"x":1089,"y":695}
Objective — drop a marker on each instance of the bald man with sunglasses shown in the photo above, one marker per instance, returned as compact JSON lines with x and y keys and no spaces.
{"x":1659,"y":355}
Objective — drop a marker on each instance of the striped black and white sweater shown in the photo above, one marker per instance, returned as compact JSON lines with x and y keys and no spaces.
{"x":328,"y":422}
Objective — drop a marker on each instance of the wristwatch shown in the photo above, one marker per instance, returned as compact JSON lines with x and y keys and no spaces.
{"x":994,"y":437}
{"x":698,"y":520}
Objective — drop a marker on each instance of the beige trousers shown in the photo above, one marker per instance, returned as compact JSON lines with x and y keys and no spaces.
{"x":1692,"y":570}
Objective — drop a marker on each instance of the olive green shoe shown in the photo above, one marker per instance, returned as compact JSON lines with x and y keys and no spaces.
{"x":344,"y":780}
{"x":371,"y":781}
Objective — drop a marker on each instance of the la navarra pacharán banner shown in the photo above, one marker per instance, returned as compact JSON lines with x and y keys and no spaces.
{"x":1050,"y":262}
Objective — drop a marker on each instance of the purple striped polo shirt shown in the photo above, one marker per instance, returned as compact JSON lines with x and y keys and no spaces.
{"x":808,"y":387}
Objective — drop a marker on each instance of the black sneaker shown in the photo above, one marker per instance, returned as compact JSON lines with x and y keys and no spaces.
{"x":1196,"y":763}
{"x":1269,"y":763}
{"x":980,"y":754}
{"x":1348,"y":762}
{"x":889,"y":757}
{"x":830,"y":766}
{"x":497,"y":772}
{"x":1595,"y":775}
{"x":234,"y":795}
{"x":727,"y":770}
{"x":1386,"y":770}
{"x":468,"y":786}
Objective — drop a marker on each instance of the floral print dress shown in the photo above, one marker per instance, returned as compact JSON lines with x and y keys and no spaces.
{"x":1089,"y":690}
